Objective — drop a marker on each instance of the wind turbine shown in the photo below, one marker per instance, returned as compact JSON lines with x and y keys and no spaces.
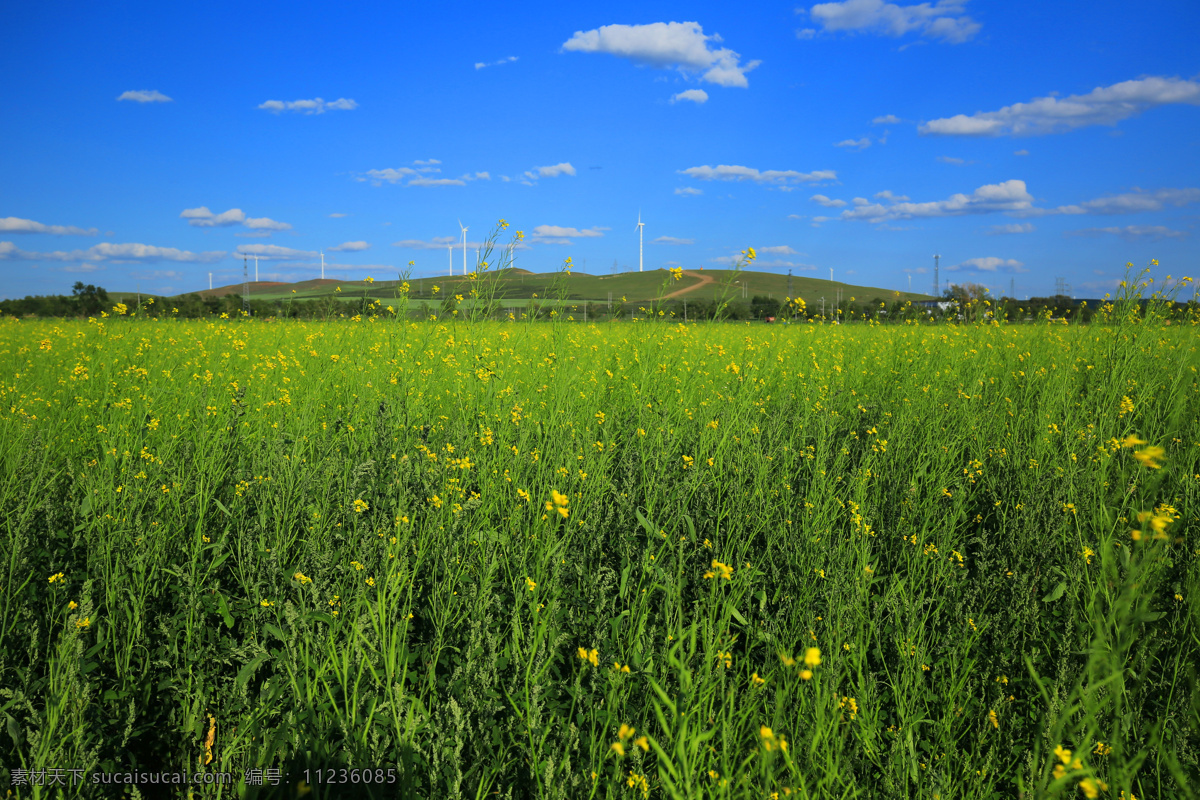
{"x":322,"y":264}
{"x":256,"y":269}
{"x":464,"y":234}
{"x":640,"y":225}
{"x":450,"y":255}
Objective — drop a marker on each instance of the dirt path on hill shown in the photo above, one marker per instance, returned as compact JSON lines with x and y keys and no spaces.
{"x":705,"y":280}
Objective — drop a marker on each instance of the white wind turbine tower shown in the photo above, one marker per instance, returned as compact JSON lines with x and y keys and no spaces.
{"x":322,"y":264}
{"x":450,"y":255}
{"x":464,"y":235}
{"x":640,"y":225}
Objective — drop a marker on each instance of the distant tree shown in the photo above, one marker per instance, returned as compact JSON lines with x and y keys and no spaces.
{"x":90,"y":299}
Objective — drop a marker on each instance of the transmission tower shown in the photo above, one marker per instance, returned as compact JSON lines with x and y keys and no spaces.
{"x":789,"y":283}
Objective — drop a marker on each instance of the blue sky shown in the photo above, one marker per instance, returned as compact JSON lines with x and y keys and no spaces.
{"x":147,"y":144}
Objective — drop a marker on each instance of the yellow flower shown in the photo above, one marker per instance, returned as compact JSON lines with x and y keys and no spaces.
{"x":806,"y":674}
{"x":643,"y":743}
{"x":1132,"y":441}
{"x":1126,"y":406}
{"x":1150,"y":456}
{"x":1064,"y":755}
{"x":368,"y":279}
{"x":529,"y":584}
{"x":812,"y":656}
{"x":755,"y":680}
{"x":624,"y":732}
{"x":618,"y":748}
{"x":301,"y":578}
{"x":719,"y":570}
{"x":992,"y":718}
{"x":768,"y":738}
{"x":370,"y":581}
{"x":56,"y":577}
{"x":83,"y":623}
{"x":73,"y":605}
{"x":360,"y":506}
{"x":1088,"y":787}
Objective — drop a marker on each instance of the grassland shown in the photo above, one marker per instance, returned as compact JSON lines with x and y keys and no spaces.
{"x":626,"y":560}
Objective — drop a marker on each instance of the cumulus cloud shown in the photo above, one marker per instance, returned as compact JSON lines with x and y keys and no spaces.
{"x":420,"y":174}
{"x":1133,"y":202}
{"x":273,"y":251}
{"x":484,"y":64}
{"x":671,"y":240}
{"x":203,"y":218}
{"x":337,"y":215}
{"x":888,"y":119}
{"x":778,"y":250}
{"x":1133,"y":233}
{"x":110,"y":252}
{"x":266,"y":224}
{"x":988,"y":264}
{"x":827,"y":202}
{"x":678,"y":45}
{"x":314,"y":106}
{"x":427,"y":181}
{"x":857,"y":144}
{"x":726,"y":172}
{"x":887,"y":195}
{"x":1102,"y":106}
{"x":144,"y":96}
{"x":1016,"y":227}
{"x":697,"y":96}
{"x":1009,"y":196}
{"x":350,"y":247}
{"x":689,"y":190}
{"x":1020,"y":152}
{"x":18,"y":225}
{"x":944,"y":20}
{"x":555,"y":234}
{"x":552,"y":171}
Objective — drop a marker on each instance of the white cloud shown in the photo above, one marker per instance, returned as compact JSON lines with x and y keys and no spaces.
{"x":424,"y":181}
{"x":483,"y":64}
{"x":1133,"y":202}
{"x":1020,"y":152}
{"x":350,"y":247}
{"x":274,"y":251}
{"x":678,"y":45}
{"x":778,"y":250}
{"x":827,"y":202}
{"x":145,"y":96}
{"x":203,"y":218}
{"x":314,"y":106}
{"x":988,"y":264}
{"x":111,"y":252}
{"x":726,"y":172}
{"x":686,"y":190}
{"x":1009,"y":196}
{"x":697,"y":96}
{"x":1102,"y":106}
{"x":944,"y":20}
{"x":555,"y":234}
{"x":887,"y":195}
{"x":958,"y":162}
{"x":419,"y":175}
{"x":253,"y":234}
{"x":858,"y":144}
{"x":337,"y":215}
{"x":671,"y":240}
{"x":888,"y":119}
{"x":796,"y":216}
{"x":1016,"y":227}
{"x":266,"y":224}
{"x":805,"y":33}
{"x":18,"y":225}
{"x":80,"y":267}
{"x":552,"y":171}
{"x":1131,"y":233}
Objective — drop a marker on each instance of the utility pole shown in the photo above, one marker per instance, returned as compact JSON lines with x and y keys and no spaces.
{"x":789,"y":283}
{"x":210,"y":281}
{"x":245,"y":287}
{"x":822,"y":308}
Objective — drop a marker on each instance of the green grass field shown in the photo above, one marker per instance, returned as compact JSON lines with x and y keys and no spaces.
{"x":627,"y":560}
